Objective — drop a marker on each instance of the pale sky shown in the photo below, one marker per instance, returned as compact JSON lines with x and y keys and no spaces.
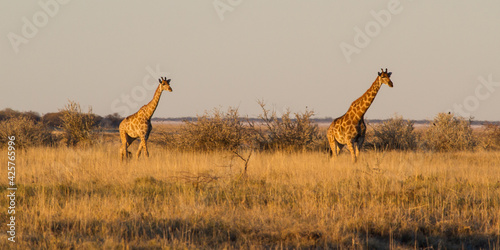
{"x":444,"y":55}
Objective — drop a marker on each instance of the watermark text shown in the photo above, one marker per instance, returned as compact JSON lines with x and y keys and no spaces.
{"x":223,"y":6}
{"x":12,"y":188}
{"x":372,"y":29}
{"x":484,"y":89}
{"x":31,"y":26}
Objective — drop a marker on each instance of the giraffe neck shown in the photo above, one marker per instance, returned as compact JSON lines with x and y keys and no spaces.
{"x":150,"y":108}
{"x":360,"y":106}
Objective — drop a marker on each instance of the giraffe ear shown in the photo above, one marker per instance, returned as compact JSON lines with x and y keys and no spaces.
{"x":159,"y":80}
{"x":379,"y":73}
{"x":389,"y":74}
{"x":168,"y":81}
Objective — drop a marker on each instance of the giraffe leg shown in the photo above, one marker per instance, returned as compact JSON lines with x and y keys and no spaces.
{"x":146,"y":151}
{"x":338,"y":147}
{"x":359,"y":145}
{"x":333,"y":146}
{"x":138,"y":154}
{"x":142,"y":146}
{"x":350,"y":146}
{"x":361,"y":136}
{"x":129,"y":141}
{"x":125,"y":154}
{"x":125,"y":144}
{"x":146,"y":137}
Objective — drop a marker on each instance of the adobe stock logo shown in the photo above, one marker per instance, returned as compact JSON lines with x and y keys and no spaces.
{"x":223,"y":6}
{"x":471,"y":103}
{"x":40,"y":19}
{"x":372,"y":29}
{"x":138,"y":94}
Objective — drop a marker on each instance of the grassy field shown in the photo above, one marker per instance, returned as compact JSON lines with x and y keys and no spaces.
{"x":87,"y":198}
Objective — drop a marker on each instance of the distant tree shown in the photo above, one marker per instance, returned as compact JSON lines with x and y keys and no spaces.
{"x":32,"y":115}
{"x":9,"y":113}
{"x":97,"y":119}
{"x":111,"y":121}
{"x":52,"y":119}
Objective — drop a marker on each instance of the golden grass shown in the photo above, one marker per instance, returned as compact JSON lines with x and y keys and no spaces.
{"x":87,"y":198}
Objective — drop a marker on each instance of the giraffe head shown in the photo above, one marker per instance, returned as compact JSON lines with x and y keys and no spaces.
{"x":165,"y":84}
{"x":385,"y":77}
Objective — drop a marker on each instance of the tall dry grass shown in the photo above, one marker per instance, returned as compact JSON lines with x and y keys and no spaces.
{"x":87,"y":198}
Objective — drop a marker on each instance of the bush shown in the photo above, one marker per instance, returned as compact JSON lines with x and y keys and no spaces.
{"x":449,"y":133}
{"x":491,"y":137}
{"x":219,"y":130}
{"x":78,"y":127}
{"x":27,"y":131}
{"x":395,"y":133}
{"x":213,"y":131}
{"x":286,"y":133}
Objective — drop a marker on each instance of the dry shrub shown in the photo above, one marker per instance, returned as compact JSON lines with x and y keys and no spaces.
{"x":448,"y":133}
{"x":395,"y":133}
{"x":216,"y":130}
{"x":286,"y":133}
{"x":78,"y":127}
{"x":491,"y":137}
{"x":27,"y":132}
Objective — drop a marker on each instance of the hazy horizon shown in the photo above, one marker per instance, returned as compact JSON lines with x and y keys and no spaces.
{"x":292,"y":54}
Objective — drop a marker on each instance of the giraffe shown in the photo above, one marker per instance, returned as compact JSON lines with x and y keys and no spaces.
{"x":138,"y":125}
{"x":350,"y":128}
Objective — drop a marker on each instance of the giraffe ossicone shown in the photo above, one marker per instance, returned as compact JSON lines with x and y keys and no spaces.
{"x":138,"y":125}
{"x":349,"y":130}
